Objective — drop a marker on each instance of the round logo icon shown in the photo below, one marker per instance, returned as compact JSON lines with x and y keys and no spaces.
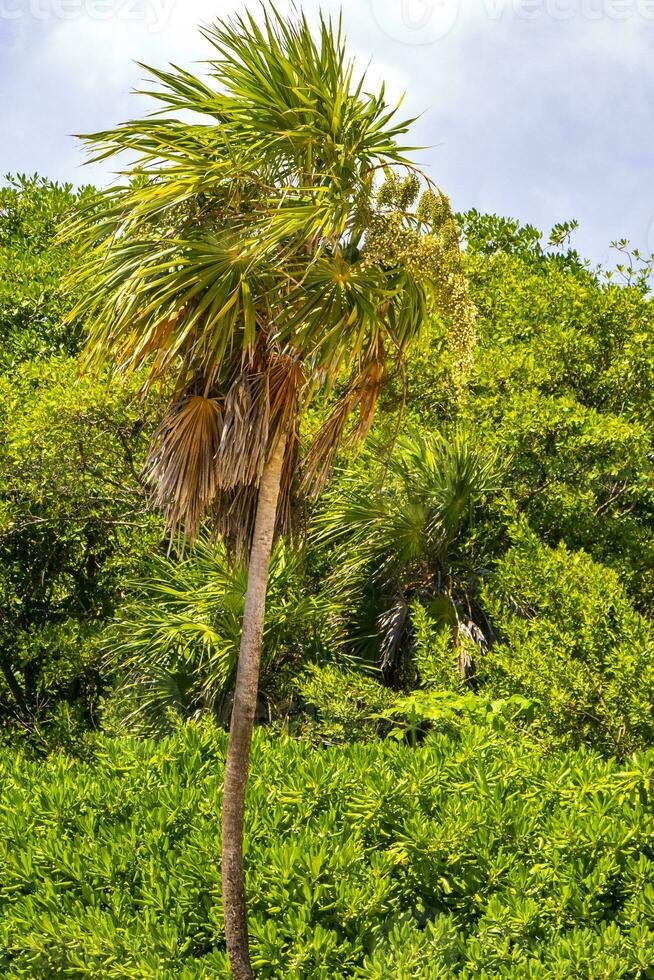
{"x":415,"y":21}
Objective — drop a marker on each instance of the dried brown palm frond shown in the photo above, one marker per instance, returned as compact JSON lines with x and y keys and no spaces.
{"x":287,"y":384}
{"x":290,"y":499}
{"x":271,"y":401}
{"x":233,"y":512}
{"x":181,"y":464}
{"x":368,"y":389}
{"x":246,"y":428}
{"x":323,"y":450}
{"x":362,"y":394}
{"x":287,"y":381}
{"x":209,"y":452}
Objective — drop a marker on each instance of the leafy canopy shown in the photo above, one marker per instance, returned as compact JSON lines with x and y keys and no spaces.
{"x":33,"y":264}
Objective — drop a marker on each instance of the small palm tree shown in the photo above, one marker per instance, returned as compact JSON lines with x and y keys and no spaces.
{"x":399,"y":537}
{"x":175,"y":644}
{"x":250,"y":262}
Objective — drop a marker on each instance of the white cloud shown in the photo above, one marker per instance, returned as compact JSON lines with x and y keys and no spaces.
{"x":538,"y":108}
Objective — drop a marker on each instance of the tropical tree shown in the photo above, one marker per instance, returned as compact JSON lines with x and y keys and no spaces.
{"x":251,"y":262}
{"x":404,"y":546}
{"x":33,"y":264}
{"x":74,"y":524}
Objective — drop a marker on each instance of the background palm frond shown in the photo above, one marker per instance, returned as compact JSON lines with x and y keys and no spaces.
{"x":176,"y":643}
{"x":399,"y":536}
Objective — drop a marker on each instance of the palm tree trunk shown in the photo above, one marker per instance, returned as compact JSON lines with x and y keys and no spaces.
{"x":243,"y":710}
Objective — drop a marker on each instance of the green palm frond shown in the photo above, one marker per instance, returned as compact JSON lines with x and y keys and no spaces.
{"x":249,"y":231}
{"x":175,"y":645}
{"x":449,"y":475}
{"x":393,"y":532}
{"x":431,"y":487}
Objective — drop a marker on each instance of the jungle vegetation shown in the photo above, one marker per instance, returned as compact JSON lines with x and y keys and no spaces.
{"x":454,"y":722}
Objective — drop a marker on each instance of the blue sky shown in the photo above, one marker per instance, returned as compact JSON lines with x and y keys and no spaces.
{"x":539,"y":109}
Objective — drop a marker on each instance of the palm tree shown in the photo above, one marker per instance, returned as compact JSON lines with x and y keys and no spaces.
{"x":400,"y":537}
{"x":251,"y":262}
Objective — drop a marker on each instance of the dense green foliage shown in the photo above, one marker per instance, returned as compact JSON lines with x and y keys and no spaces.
{"x":73,"y":516}
{"x":459,"y":659}
{"x":562,"y":386}
{"x":572,"y":642}
{"x":471,"y":856}
{"x":472,"y":552}
{"x":32,"y":264}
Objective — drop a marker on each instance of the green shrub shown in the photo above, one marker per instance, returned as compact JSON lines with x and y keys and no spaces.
{"x":573,"y":643}
{"x":33,"y":263}
{"x":343,"y":703}
{"x":474,"y":856}
{"x":74,"y":528}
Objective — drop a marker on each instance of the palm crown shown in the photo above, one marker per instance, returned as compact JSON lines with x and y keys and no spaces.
{"x":401,"y":546}
{"x":261,"y":254}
